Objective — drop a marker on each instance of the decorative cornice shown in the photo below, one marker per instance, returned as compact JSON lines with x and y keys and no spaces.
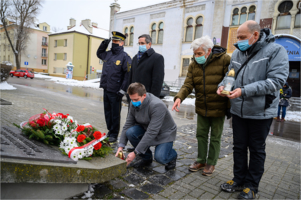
{"x":159,"y":7}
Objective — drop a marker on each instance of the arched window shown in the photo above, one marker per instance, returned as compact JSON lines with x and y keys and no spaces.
{"x":252,"y":13}
{"x":284,"y":18}
{"x":235,"y":17}
{"x":189,"y":30}
{"x":154,"y":33}
{"x":298,"y":19}
{"x":243,"y":15}
{"x":126,"y":30}
{"x":198,"y":28}
{"x":132,"y":36}
{"x":160,"y":34}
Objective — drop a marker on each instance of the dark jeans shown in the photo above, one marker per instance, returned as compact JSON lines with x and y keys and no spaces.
{"x":249,"y":133}
{"x":283,"y":111}
{"x":112,"y":106}
{"x":164,"y":153}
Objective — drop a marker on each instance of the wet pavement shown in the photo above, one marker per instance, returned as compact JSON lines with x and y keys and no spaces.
{"x":282,"y":167}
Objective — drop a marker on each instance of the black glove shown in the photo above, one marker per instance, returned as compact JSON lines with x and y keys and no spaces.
{"x":228,"y":113}
{"x":107,"y":41}
{"x":119,"y":96}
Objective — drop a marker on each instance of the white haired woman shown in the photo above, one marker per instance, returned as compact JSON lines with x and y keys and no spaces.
{"x":208,"y":68}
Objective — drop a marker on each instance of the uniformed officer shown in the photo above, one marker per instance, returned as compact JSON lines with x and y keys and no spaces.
{"x":114,"y":80}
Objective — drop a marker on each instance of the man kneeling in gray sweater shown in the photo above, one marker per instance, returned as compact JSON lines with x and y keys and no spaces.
{"x":148,"y":123}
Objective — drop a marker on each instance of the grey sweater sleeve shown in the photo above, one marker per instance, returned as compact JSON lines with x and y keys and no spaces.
{"x":130,"y":121}
{"x":157,"y":115}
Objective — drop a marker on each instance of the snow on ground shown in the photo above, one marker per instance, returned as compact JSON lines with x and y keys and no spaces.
{"x":187,"y":101}
{"x":293,"y":116}
{"x":5,"y":86}
{"x":93,"y":83}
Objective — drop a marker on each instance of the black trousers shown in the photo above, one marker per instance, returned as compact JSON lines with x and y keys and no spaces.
{"x":112,"y":107}
{"x":249,"y":133}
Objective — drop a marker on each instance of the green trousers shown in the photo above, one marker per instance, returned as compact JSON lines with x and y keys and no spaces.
{"x":204,"y":124}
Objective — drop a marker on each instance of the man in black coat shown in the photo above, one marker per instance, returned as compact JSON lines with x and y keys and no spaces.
{"x":148,"y":67}
{"x":114,"y":80}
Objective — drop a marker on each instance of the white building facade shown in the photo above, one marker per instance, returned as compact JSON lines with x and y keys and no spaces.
{"x":173,"y":25}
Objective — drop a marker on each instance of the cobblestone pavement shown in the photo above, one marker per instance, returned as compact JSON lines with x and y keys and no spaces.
{"x":281,"y":179}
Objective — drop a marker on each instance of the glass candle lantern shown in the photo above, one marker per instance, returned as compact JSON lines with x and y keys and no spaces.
{"x":229,"y":82}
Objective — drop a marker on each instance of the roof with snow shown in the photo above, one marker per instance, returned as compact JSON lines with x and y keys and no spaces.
{"x":96,"y":32}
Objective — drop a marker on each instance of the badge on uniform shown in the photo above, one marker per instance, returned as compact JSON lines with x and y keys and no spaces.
{"x":117,"y":62}
{"x":129,"y":67}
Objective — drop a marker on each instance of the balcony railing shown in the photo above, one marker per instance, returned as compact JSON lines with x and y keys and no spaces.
{"x":44,"y":55}
{"x":45,"y":44}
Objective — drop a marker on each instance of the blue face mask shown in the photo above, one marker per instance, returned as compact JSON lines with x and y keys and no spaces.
{"x":142,"y":48}
{"x":243,"y":45}
{"x":201,"y":60}
{"x":136,"y":104}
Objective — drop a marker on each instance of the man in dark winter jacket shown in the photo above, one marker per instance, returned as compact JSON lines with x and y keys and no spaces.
{"x":285,"y":94}
{"x":148,"y":67}
{"x":261,"y":69}
{"x":114,"y":80}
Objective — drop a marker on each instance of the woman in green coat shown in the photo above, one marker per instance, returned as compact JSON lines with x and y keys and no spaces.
{"x":208,"y":68}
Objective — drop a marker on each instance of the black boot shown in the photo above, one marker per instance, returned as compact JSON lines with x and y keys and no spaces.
{"x":231,"y":186}
{"x":112,"y":139}
{"x":247,"y":193}
{"x":142,"y":163}
{"x":171,"y":164}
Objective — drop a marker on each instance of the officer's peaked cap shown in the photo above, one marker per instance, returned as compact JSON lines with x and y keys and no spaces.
{"x":117,"y":36}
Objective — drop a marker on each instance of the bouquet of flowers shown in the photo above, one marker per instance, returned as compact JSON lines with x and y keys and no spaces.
{"x":63,"y":131}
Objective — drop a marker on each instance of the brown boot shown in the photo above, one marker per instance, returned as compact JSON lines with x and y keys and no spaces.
{"x":282,"y":119}
{"x":194,"y":167}
{"x":208,"y":171}
{"x":278,"y":119}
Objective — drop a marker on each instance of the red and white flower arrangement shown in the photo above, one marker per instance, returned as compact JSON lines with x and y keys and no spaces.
{"x":62,"y":130}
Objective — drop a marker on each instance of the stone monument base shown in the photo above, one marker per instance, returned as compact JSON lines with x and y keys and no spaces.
{"x":41,"y":190}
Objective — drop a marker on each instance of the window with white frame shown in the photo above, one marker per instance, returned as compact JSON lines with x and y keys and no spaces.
{"x":65,"y":42}
{"x":243,"y":15}
{"x":100,"y":62}
{"x":251,"y":14}
{"x":55,"y":43}
{"x":131,"y":36}
{"x":199,"y":27}
{"x":126,"y":33}
{"x":284,"y":18}
{"x":44,"y":62}
{"x":160,"y":33}
{"x":235,"y":17}
{"x":55,"y":56}
{"x":154,"y":33}
{"x":65,"y":56}
{"x":189,"y":30}
{"x":185,"y":66}
{"x":44,"y":28}
{"x":44,"y":52}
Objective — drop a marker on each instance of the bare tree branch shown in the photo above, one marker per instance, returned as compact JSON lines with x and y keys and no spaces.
{"x":22,"y":14}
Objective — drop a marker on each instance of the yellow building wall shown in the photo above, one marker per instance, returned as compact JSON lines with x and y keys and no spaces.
{"x":93,"y":59}
{"x":60,"y":50}
{"x":80,"y":53}
{"x":44,"y":24}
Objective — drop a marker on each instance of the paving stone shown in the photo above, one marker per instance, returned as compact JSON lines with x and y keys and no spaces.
{"x":175,"y":175}
{"x":160,"y":179}
{"x":144,"y":171}
{"x":182,"y":189}
{"x":151,"y":188}
{"x":196,"y":193}
{"x":134,"y":179}
{"x":135,"y":194}
{"x":100,"y":191}
{"x":160,"y":169}
{"x":186,"y":162}
{"x":177,"y":195}
{"x":168,"y":192}
{"x":207,"y":195}
{"x":118,"y":184}
{"x":224,"y":195}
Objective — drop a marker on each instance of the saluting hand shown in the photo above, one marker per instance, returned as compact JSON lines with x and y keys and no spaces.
{"x":235,"y":93}
{"x":176,"y":105}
